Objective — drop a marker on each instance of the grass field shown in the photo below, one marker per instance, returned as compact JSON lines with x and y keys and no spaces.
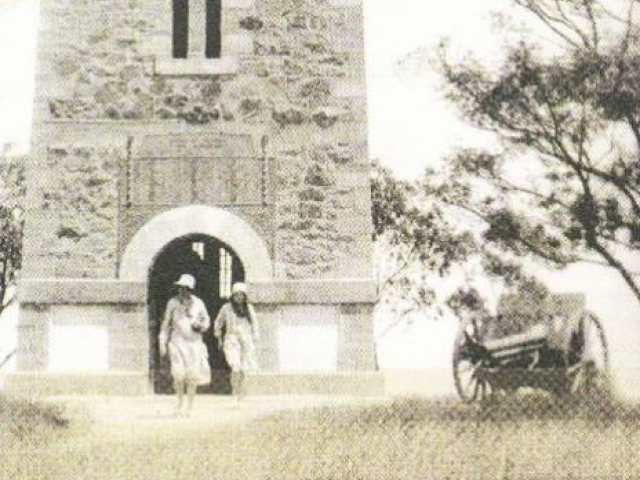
{"x":522,"y":437}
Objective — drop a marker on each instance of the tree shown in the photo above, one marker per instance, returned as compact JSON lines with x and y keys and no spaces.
{"x":12,"y":190}
{"x":419,"y":244}
{"x":413,"y":241}
{"x":563,"y":183}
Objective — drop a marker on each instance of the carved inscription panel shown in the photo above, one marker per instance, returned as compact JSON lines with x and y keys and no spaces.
{"x":211,"y":169}
{"x":210,"y":145}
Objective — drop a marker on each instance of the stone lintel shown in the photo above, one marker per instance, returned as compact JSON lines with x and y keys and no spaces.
{"x":196,"y":66}
{"x":330,"y":291}
{"x":81,"y":291}
{"x":84,"y":291}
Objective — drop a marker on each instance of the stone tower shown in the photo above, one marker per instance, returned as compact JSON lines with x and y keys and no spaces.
{"x":226,"y":138}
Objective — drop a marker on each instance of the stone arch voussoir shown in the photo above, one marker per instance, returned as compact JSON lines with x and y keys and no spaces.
{"x":143,"y":248}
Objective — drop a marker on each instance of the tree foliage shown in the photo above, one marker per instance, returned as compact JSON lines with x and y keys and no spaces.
{"x":563,"y":183}
{"x":12,"y":191}
{"x":414,"y":240}
{"x":430,"y":260}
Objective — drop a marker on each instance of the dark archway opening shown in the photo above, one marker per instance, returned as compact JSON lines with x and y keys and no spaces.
{"x":216,"y":267}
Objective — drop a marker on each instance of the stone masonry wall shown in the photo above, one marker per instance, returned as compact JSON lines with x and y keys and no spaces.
{"x":300,"y":84}
{"x":72,"y":225}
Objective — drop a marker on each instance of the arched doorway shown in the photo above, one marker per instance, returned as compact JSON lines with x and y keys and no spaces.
{"x":216,"y":267}
{"x":155,"y":235}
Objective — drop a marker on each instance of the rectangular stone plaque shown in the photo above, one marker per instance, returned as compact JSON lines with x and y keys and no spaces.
{"x":296,"y":353}
{"x":78,"y":348}
{"x":214,"y":169}
{"x":181,"y":181}
{"x":203,"y":145}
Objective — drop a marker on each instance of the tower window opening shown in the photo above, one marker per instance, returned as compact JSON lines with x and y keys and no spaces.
{"x":226,"y":269}
{"x":213,"y":47}
{"x":180,"y":28}
{"x":198,"y":247}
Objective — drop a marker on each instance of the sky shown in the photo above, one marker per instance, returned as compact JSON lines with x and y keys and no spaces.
{"x":18,"y":19}
{"x":410,"y":127}
{"x":406,"y":114}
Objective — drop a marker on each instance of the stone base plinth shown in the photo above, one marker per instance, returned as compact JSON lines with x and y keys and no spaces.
{"x":68,"y":327}
{"x":44,"y":384}
{"x":37,"y":384}
{"x":340,"y":384}
{"x":77,"y":326}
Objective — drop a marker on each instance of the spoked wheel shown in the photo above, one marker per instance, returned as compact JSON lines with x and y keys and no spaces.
{"x":589,"y":368}
{"x":469,"y":364}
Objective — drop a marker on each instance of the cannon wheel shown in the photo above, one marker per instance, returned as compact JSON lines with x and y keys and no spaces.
{"x":588,"y":372}
{"x":468,"y":372}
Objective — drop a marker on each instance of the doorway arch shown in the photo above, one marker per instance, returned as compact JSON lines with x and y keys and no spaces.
{"x":215,"y":266}
{"x":184,"y":224}
{"x":226,"y":227}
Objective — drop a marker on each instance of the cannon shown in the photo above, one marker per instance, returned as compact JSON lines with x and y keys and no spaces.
{"x":564,"y":353}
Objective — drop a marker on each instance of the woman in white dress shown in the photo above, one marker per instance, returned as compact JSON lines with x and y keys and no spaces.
{"x":237,"y":330}
{"x":185,"y":320}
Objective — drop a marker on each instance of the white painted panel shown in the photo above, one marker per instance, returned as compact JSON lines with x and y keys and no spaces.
{"x":78,"y":348}
{"x":308,"y":348}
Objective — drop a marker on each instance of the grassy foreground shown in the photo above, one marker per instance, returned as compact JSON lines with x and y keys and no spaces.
{"x":29,"y":422}
{"x":523,"y":437}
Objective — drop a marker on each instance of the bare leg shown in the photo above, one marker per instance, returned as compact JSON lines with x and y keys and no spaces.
{"x":178,"y":385}
{"x":240,"y":385}
{"x":235,"y":384}
{"x":191,"y":393}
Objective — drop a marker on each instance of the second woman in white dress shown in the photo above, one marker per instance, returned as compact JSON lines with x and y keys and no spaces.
{"x":237,"y":331}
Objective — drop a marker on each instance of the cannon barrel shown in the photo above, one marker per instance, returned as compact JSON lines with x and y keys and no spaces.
{"x":561,"y":354}
{"x":533,"y":339}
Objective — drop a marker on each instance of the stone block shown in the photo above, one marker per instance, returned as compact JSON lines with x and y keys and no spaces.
{"x":121,"y":333}
{"x":358,"y":357}
{"x":304,"y":314}
{"x":335,"y":291}
{"x":240,"y":4}
{"x":297,"y":352}
{"x":130,"y":359}
{"x":196,"y":66}
{"x":69,"y":292}
{"x":269,"y":317}
{"x":356,"y":316}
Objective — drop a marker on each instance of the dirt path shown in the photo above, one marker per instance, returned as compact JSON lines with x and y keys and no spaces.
{"x":154,"y":414}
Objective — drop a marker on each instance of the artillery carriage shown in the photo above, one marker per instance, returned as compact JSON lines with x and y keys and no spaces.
{"x":564,"y":353}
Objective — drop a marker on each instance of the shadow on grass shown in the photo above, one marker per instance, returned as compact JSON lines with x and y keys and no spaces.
{"x":599,"y":409}
{"x":29,"y":420}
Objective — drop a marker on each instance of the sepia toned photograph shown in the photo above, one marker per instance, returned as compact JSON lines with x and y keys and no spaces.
{"x":319,"y":239}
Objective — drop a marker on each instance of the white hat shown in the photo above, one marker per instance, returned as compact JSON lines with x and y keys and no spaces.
{"x":186,"y":280}
{"x":239,"y":288}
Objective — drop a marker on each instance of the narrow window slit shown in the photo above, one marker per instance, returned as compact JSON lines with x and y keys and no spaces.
{"x":226,"y":273}
{"x":213,"y":47}
{"x":180,"y":28}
